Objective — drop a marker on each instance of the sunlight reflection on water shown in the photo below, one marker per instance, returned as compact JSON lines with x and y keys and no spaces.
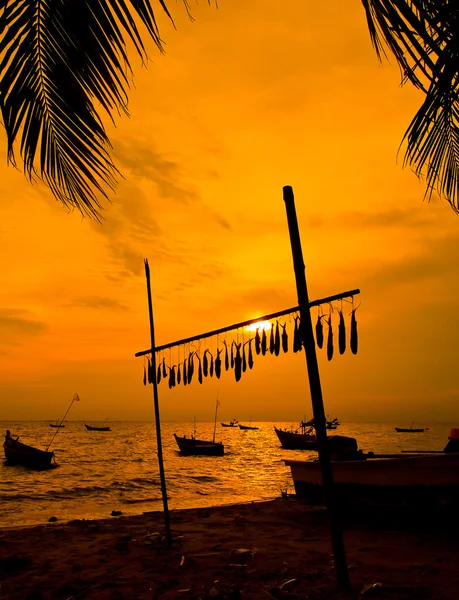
{"x":118,"y":470}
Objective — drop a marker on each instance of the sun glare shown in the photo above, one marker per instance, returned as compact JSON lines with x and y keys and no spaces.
{"x":259,"y":325}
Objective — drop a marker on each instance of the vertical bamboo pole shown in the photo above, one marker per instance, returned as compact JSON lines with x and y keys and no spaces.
{"x":156,"y":403}
{"x":316,"y":391}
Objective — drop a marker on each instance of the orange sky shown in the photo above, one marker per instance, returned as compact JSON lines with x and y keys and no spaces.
{"x":248,"y":98}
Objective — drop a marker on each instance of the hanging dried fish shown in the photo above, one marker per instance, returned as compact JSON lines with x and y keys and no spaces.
{"x":218,"y":365}
{"x":250,"y":359}
{"x":178,"y":374}
{"x":277,"y":340}
{"x":144,"y":376}
{"x":211,"y":365}
{"x":232,"y":355}
{"x":226,"y":356}
{"x":158,"y":374}
{"x":205,"y":364}
{"x":341,"y":333}
{"x":257,"y":342}
{"x":244,"y":360}
{"x":238,"y":363}
{"x":199,"y":369}
{"x":330,"y":339}
{"x":354,"y":336}
{"x":190,"y":367}
{"x":320,"y":331}
{"x":284,"y":338}
{"x":185,"y":376}
{"x":164,"y":368}
{"x":264,"y":342}
{"x":296,"y":336}
{"x":272,"y":345}
{"x":172,"y":377}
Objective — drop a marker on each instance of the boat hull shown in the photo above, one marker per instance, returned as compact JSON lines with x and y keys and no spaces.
{"x":401,"y":430}
{"x":411,"y":481}
{"x":194,"y":447}
{"x":17,"y":453}
{"x":246,"y":427}
{"x":56,"y":426}
{"x":296,"y":441}
{"x":90,"y":428}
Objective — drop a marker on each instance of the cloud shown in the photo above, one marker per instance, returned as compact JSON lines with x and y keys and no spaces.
{"x":16,"y":325}
{"x":143,"y":161}
{"x":434,"y":262}
{"x":98,"y":302}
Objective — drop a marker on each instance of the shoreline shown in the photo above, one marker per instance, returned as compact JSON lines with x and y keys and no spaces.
{"x":278,"y":548}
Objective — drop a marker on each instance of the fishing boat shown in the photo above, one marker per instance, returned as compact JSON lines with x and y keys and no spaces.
{"x":17,"y":453}
{"x":92,"y":428}
{"x":56,"y":425}
{"x":329,"y":424}
{"x":410,"y":430}
{"x":194,"y":447}
{"x":303,"y":438}
{"x":414,"y":478}
{"x":246,"y":427}
{"x":232,"y":423}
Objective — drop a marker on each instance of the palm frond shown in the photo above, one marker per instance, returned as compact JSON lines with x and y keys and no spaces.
{"x":423,"y":35}
{"x":61,"y":62}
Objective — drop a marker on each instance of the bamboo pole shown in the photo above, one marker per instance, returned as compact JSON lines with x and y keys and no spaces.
{"x":156,"y":403}
{"x":280,"y":313}
{"x":215,"y":420}
{"x":75,"y":397}
{"x":339,"y":552}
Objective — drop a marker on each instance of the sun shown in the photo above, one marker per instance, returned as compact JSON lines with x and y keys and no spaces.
{"x":259,"y":325}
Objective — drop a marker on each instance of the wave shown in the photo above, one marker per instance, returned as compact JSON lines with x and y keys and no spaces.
{"x":82,"y":491}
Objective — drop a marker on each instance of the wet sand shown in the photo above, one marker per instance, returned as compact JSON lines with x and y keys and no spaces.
{"x":277,"y":549}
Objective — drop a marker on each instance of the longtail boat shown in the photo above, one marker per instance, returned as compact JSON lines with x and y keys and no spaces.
{"x":91,"y":428}
{"x":232,"y":423}
{"x":193,"y":447}
{"x":17,"y":453}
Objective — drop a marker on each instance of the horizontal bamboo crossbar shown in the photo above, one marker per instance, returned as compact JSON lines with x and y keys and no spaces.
{"x":281,"y":313}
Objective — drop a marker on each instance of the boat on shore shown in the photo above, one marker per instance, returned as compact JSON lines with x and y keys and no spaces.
{"x":194,"y":447}
{"x":17,"y":453}
{"x":232,"y":423}
{"x":416,"y":478}
{"x":92,"y":428}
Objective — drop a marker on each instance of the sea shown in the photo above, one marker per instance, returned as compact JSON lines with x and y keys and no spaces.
{"x":117,"y":470}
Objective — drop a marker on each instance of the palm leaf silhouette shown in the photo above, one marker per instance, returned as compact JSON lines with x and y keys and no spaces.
{"x":423,"y":35}
{"x":61,"y":60}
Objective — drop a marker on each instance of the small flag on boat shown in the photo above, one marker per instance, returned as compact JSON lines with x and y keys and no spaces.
{"x":76,"y":398}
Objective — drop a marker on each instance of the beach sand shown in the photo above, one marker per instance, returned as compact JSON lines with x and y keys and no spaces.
{"x":246,"y":551}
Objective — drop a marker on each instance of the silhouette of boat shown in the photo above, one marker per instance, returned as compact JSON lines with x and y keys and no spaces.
{"x":232,"y":423}
{"x":410,"y":430}
{"x":91,"y":428}
{"x":330,"y":423}
{"x":245,"y":427}
{"x":17,"y":453}
{"x":193,"y":447}
{"x":414,"y":478}
{"x":302,"y":438}
{"x":54,"y":425}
